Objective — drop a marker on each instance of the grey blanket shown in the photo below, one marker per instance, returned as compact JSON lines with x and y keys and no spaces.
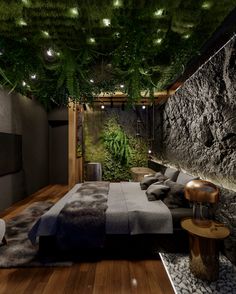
{"x":129,"y":212}
{"x":81,"y":223}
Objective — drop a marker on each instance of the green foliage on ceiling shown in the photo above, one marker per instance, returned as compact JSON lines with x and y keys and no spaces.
{"x":77,"y":48}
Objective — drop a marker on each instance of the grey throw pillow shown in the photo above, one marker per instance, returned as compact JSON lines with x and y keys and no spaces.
{"x":148,"y":180}
{"x":171,"y":173}
{"x":157,"y":191}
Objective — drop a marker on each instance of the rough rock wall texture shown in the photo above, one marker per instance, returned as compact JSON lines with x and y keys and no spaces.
{"x":198,"y":131}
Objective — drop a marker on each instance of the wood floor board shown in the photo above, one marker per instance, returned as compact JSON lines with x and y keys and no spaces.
{"x":108,"y":276}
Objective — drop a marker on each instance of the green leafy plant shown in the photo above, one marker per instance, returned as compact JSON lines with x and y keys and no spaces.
{"x":117,"y":142}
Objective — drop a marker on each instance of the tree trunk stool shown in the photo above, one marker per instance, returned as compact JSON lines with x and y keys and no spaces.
{"x":138,"y":173}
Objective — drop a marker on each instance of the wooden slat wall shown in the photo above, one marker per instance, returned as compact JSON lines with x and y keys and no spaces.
{"x":75,"y":165}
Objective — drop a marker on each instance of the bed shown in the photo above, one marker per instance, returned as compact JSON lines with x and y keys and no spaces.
{"x":125,"y":219}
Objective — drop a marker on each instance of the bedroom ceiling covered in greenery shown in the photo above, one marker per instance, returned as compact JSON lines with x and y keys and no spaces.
{"x":58,"y":49}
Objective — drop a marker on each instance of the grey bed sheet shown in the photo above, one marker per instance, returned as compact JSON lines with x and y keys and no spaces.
{"x":129,"y":212}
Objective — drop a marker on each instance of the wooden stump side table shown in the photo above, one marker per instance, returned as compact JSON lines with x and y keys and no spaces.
{"x":138,"y":173}
{"x":204,"y":248}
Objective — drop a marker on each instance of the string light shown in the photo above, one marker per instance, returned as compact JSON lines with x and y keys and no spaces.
{"x":91,"y":41}
{"x":102,"y":106}
{"x":21,"y":22}
{"x":143,"y":106}
{"x":33,"y":76}
{"x":91,"y":81}
{"x":45,"y":34}
{"x":73,"y":12}
{"x":122,"y":86}
{"x":50,"y":52}
{"x":106,"y":22}
{"x":157,"y":41}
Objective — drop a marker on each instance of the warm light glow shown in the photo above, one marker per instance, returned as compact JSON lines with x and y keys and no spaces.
{"x":23,"y":83}
{"x":26,"y":2}
{"x":158,"y":12}
{"x":187,"y":36}
{"x":21,"y":22}
{"x":102,"y":106}
{"x":45,"y":34}
{"x":206,"y":5}
{"x":73,"y":12}
{"x":33,"y":76}
{"x":50,"y":52}
{"x":122,"y":86}
{"x":143,"y":106}
{"x":157,"y":41}
{"x":116,"y":35}
{"x":149,"y":151}
{"x":106,"y":22}
{"x":91,"y":81}
{"x":117,"y":3}
{"x":91,"y":40}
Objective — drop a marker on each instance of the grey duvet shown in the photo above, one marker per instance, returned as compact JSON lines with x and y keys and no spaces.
{"x":82,"y":219}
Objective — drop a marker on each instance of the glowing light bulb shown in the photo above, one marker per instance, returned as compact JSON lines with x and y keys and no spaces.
{"x":117,"y":3}
{"x":33,"y":76}
{"x":91,"y":40}
{"x":143,"y":106}
{"x":91,"y":81}
{"x":21,"y":22}
{"x":73,"y":11}
{"x":149,"y":151}
{"x":50,"y":52}
{"x":157,"y":41}
{"x":122,"y":86}
{"x":102,"y":106}
{"x":187,"y":36}
{"x":158,"y":12}
{"x":23,"y":83}
{"x":1,"y":53}
{"x":45,"y":34}
{"x":106,"y":22}
{"x":206,"y":5}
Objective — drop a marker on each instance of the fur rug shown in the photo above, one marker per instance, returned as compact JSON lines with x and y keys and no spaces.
{"x":19,"y":252}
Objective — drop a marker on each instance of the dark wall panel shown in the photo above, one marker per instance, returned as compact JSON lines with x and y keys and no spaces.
{"x":10,"y":153}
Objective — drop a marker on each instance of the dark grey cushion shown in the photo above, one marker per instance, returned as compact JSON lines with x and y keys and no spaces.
{"x":175,"y":197}
{"x":157,"y":191}
{"x":171,"y":173}
{"x":148,"y":180}
{"x":183,"y":178}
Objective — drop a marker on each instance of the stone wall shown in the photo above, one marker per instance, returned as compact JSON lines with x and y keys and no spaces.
{"x":197,"y":132}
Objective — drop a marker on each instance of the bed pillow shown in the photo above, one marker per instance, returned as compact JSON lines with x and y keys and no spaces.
{"x":175,"y":196}
{"x":148,"y":180}
{"x":185,"y":178}
{"x":157,"y":191}
{"x":171,"y":173}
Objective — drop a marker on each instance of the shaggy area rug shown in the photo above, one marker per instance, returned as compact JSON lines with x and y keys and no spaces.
{"x":19,"y":252}
{"x":184,"y":282}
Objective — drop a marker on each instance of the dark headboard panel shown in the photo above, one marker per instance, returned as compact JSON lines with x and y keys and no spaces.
{"x":10,"y":153}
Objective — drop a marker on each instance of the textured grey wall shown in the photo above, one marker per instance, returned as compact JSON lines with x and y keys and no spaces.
{"x":20,"y":115}
{"x":197,"y":132}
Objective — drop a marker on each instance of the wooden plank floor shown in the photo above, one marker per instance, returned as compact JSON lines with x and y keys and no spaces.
{"x":100,"y":277}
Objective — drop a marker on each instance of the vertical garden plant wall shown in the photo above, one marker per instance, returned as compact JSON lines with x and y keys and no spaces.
{"x":117,"y":139}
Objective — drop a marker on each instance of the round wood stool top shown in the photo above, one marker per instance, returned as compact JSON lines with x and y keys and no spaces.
{"x":215,"y":230}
